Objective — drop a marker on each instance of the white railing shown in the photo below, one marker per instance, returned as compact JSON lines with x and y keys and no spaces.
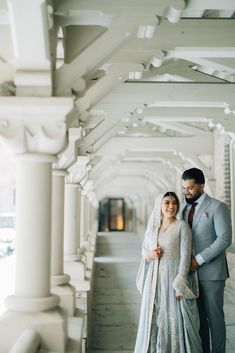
{"x":28,"y":342}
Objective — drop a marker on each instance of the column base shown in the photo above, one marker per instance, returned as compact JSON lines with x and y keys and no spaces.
{"x":90,"y":259}
{"x":86,"y":245}
{"x":67,"y":294}
{"x":82,"y":256}
{"x":51,"y":325}
{"x":30,"y":305}
{"x":71,"y":257}
{"x":59,"y":280}
{"x":80,"y":252}
{"x":76,"y":270}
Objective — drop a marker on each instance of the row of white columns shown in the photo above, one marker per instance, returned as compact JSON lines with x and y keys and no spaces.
{"x":52,"y":220}
{"x":232,"y":178}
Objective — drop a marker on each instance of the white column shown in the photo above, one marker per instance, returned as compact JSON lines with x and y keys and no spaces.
{"x":88,"y":243}
{"x":86,"y":223}
{"x":33,"y":228}
{"x":82,"y":222}
{"x":73,"y":265}
{"x":71,"y":222}
{"x":232,"y":177}
{"x":91,"y":226}
{"x":34,"y":129}
{"x":79,"y":247}
{"x":60,"y":280}
{"x":32,"y":304}
{"x":92,"y":219}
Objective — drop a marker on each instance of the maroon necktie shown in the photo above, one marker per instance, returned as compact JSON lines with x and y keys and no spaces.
{"x":191,"y":213}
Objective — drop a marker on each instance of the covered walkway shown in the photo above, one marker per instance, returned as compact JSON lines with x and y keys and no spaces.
{"x":104,"y":100}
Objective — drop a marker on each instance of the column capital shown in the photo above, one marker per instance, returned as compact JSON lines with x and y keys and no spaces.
{"x":69,"y":156}
{"x":34,"y":125}
{"x":78,"y":170}
{"x":35,"y":157}
{"x":72,"y":185}
{"x":59,"y":172}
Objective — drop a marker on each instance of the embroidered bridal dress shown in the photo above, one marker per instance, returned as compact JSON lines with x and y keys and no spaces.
{"x":167,"y":325}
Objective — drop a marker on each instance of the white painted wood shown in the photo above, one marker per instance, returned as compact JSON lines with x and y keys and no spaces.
{"x":142,"y":7}
{"x":28,"y":342}
{"x":141,"y":99}
{"x":57,"y":226}
{"x":31,"y":53}
{"x":203,"y":144}
{"x":232,"y":171}
{"x":71,"y":222}
{"x":33,"y":227}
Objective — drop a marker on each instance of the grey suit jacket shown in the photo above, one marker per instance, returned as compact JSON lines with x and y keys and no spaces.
{"x":212,"y":234}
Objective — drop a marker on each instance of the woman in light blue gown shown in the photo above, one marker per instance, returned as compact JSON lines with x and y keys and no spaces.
{"x":169,"y":321}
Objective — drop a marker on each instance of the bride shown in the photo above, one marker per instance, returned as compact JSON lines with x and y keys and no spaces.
{"x":169,"y":321}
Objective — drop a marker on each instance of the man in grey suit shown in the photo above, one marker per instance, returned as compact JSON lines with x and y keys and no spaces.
{"x":211,"y":227}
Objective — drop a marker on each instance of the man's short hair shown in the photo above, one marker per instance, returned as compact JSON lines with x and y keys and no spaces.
{"x":194,"y":173}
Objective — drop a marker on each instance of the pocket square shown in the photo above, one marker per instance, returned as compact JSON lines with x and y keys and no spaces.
{"x":205,"y":215}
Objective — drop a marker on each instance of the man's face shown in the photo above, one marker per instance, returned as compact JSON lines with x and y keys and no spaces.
{"x":191,"y":190}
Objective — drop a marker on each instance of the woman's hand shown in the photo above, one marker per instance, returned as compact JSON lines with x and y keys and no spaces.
{"x":158,"y":250}
{"x":155,"y":254}
{"x":178,"y":296}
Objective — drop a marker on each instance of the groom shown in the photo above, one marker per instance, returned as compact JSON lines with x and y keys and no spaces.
{"x":211,"y":227}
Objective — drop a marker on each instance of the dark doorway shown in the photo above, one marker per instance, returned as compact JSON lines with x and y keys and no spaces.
{"x":112,"y":215}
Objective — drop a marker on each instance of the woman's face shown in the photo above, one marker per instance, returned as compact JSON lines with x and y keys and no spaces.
{"x":169,"y":206}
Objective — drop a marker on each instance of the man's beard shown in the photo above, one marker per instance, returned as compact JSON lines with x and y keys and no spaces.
{"x":193,"y":199}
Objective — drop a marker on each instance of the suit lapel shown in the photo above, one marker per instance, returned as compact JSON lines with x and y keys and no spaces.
{"x":206,"y":202}
{"x":183,"y":210}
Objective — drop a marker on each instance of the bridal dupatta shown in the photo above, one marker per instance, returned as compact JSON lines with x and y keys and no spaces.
{"x":148,"y":284}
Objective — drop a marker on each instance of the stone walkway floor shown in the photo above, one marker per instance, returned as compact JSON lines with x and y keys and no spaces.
{"x":116,"y":301}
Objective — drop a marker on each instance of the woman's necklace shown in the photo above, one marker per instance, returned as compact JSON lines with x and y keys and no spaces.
{"x":165,"y":227}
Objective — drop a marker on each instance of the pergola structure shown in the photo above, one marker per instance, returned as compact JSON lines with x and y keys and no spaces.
{"x":105,"y":98}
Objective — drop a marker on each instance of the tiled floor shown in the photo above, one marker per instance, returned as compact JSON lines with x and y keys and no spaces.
{"x":116,"y":301}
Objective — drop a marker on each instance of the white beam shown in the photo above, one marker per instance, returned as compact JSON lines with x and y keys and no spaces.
{"x":179,"y":114}
{"x":201,"y":144}
{"x":185,"y":128}
{"x":31,"y":52}
{"x":210,"y":4}
{"x":147,"y":156}
{"x":108,"y":134}
{"x":82,"y":18}
{"x":211,"y":64}
{"x":178,"y":68}
{"x":99,"y":131}
{"x":191,"y":33}
{"x":202,"y":52}
{"x":171,"y":94}
{"x":95,"y":55}
{"x":116,"y":74}
{"x":139,"y":7}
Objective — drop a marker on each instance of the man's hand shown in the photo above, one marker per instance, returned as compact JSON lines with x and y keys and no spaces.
{"x":194,"y":264}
